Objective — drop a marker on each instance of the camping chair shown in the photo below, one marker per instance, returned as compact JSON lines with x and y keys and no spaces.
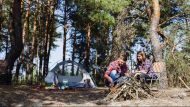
{"x":157,"y":69}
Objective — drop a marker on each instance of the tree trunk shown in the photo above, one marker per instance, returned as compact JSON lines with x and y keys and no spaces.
{"x":26,"y":23}
{"x":45,"y":66}
{"x":64,"y":35}
{"x":116,"y":45}
{"x":45,"y":69}
{"x":51,"y":24}
{"x":49,"y":35}
{"x":65,"y":30}
{"x":40,"y":65}
{"x":6,"y":45}
{"x":74,"y":50}
{"x":19,"y":63}
{"x":157,"y":49}
{"x":34,"y":40}
{"x":37,"y":66}
{"x":16,"y":35}
{"x":25,"y":38}
{"x":87,"y":47}
{"x":33,"y":50}
{"x":45,"y":49}
{"x":1,"y":13}
{"x":41,"y":40}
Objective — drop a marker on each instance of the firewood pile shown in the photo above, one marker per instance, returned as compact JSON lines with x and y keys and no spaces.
{"x":128,"y":88}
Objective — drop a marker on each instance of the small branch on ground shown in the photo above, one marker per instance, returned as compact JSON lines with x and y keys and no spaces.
{"x":184,"y":83}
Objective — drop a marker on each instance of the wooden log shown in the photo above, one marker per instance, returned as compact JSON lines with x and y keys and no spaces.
{"x":125,"y":95}
{"x":130,"y":89}
{"x":137,"y":94}
{"x":184,"y":83}
{"x":145,"y":93}
{"x":119,"y":92}
{"x":131,"y":94}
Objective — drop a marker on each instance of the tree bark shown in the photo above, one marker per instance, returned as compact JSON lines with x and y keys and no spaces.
{"x":47,"y":37}
{"x":40,"y":65}
{"x":87,"y":47}
{"x":25,"y":36}
{"x":16,"y":36}
{"x":64,"y":34}
{"x":1,"y":13}
{"x":74,"y":50}
{"x":33,"y":50}
{"x":41,"y":40}
{"x":19,"y":63}
{"x":45,"y":49}
{"x":65,"y":30}
{"x":157,"y":48}
{"x":34,"y":39}
{"x":26,"y":23}
{"x":52,"y":20}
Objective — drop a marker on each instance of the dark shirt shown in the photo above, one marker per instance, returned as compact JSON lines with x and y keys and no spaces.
{"x":124,"y":69}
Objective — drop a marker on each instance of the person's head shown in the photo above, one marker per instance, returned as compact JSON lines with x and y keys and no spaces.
{"x":120,"y":61}
{"x":140,"y":56}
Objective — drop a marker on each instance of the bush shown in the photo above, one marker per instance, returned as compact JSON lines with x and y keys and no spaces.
{"x":178,"y":66}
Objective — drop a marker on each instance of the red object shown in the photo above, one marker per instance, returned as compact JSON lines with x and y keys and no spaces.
{"x":115,"y":66}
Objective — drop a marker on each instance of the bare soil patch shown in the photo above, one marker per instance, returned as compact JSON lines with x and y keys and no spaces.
{"x":32,"y":96}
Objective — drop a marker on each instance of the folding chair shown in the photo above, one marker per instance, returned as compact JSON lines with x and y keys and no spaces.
{"x":157,"y":69}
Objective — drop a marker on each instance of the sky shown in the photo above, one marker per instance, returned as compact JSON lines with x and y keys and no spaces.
{"x":56,"y":54}
{"x":2,"y":55}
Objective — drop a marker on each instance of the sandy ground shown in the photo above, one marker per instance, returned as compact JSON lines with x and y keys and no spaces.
{"x":30,"y":96}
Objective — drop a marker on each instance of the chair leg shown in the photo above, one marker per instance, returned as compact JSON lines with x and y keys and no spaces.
{"x":150,"y":83}
{"x":157,"y":83}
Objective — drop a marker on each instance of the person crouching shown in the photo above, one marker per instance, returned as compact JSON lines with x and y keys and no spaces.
{"x":115,"y":70}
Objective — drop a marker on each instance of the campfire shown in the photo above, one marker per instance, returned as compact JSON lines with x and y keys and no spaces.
{"x":128,"y":88}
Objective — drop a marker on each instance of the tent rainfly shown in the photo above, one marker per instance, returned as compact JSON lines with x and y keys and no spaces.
{"x":71,"y":72}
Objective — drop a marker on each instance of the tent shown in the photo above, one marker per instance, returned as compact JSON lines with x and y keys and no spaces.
{"x":71,"y":72}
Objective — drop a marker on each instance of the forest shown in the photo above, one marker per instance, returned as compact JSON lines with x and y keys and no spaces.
{"x":93,"y":33}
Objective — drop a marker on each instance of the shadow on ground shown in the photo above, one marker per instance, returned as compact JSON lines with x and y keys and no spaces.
{"x":25,"y":95}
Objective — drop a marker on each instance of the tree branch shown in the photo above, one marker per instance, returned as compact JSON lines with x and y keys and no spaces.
{"x":170,"y":19}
